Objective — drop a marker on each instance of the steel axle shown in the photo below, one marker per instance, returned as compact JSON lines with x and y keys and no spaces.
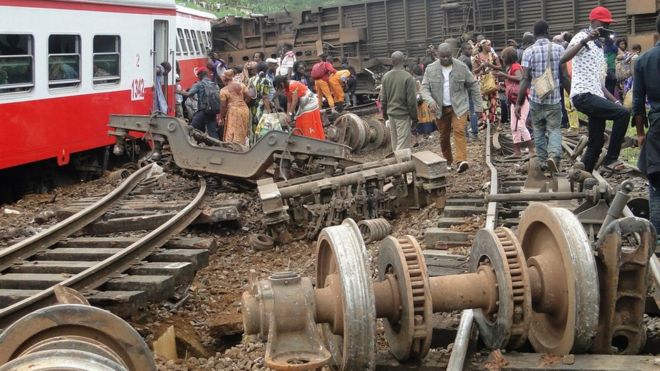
{"x":509,"y":284}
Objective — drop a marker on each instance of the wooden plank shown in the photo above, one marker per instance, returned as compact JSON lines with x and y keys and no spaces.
{"x":121,"y":303}
{"x":441,"y":263}
{"x":121,"y":242}
{"x":66,"y":253}
{"x":156,"y":287}
{"x":462,"y":211}
{"x":128,"y":224}
{"x":51,"y":266}
{"x":583,"y":362}
{"x":199,"y":258}
{"x":182,"y":272}
{"x":11,"y":296}
{"x":30,"y":281}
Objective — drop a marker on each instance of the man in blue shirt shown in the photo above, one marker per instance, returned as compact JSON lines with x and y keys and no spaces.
{"x":645,"y":86}
{"x":201,"y":119}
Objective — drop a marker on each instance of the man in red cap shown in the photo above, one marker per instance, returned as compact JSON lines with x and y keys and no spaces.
{"x":589,"y":94}
{"x":208,"y":103}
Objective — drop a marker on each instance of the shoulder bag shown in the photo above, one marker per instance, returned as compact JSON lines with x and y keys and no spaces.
{"x":545,"y":84}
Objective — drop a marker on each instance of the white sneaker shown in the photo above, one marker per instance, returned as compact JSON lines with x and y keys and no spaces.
{"x":462,"y":166}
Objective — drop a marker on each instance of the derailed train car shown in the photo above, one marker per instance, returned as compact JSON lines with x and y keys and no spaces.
{"x":365,"y":34}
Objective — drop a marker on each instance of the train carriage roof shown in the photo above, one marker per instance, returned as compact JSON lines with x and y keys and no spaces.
{"x":194,"y":12}
{"x":167,"y":4}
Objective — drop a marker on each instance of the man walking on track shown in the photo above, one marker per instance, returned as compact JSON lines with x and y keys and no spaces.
{"x":398,"y":98}
{"x":447,"y":87}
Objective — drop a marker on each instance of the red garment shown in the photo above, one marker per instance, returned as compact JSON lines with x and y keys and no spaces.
{"x":329,"y":69}
{"x":308,"y":116}
{"x":511,"y":86}
{"x":298,"y":87}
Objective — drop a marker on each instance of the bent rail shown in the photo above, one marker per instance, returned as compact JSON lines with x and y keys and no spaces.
{"x":70,"y":225}
{"x":117,"y":263}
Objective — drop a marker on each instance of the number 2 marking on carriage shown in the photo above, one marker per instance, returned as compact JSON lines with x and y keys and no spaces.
{"x":137,"y":89}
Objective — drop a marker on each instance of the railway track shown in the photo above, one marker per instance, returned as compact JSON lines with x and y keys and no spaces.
{"x":503,"y":205}
{"x":120,"y":251}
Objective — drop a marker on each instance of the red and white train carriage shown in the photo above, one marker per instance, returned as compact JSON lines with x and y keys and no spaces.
{"x":66,"y":65}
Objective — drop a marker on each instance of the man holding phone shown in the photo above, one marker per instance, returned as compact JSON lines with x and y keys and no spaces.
{"x":588,"y":92}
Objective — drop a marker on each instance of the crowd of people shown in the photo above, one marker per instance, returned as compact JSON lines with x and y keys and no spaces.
{"x":537,"y":87}
{"x":240,"y":104}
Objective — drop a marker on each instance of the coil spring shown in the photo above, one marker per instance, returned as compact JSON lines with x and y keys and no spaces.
{"x":374,"y":229}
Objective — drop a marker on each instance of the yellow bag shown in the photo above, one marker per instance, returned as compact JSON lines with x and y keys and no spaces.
{"x":628,"y":100}
{"x":488,"y":84}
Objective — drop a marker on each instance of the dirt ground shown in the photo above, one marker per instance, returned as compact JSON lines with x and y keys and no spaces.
{"x":216,"y":292}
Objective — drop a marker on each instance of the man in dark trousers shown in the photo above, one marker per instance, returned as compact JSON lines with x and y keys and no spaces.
{"x":398,"y":98}
{"x":589,"y":94}
{"x":203,"y":119}
{"x":646,"y":85}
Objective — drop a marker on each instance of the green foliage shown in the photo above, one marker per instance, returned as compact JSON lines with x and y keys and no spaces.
{"x":244,"y":7}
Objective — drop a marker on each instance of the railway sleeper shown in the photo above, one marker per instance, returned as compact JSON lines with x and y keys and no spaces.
{"x":543,"y":284}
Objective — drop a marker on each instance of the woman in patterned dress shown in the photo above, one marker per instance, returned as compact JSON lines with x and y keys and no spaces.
{"x":234,"y":112}
{"x":484,"y":63}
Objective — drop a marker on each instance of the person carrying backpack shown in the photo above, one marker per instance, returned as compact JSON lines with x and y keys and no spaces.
{"x":208,"y":103}
{"x":321,"y":72}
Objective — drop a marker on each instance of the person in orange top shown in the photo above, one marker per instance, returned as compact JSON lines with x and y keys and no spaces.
{"x":336,"y":82}
{"x":321,"y":72}
{"x":302,"y":107}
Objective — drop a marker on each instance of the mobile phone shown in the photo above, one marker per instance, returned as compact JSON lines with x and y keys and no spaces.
{"x":606,"y":32}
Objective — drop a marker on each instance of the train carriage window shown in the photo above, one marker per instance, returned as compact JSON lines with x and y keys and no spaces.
{"x":182,"y":41}
{"x":189,"y":42}
{"x":202,"y":42}
{"x":195,"y":42}
{"x":210,"y":39}
{"x":16,"y":62}
{"x":106,"y":59}
{"x":63,"y":60}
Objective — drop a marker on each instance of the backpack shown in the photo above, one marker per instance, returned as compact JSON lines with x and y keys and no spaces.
{"x":319,"y":71}
{"x":211,"y":102}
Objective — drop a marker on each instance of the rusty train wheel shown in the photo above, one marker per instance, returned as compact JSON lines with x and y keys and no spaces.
{"x":410,"y":337}
{"x":565,"y":317}
{"x":341,"y":251}
{"x":74,"y":334}
{"x":498,"y":250}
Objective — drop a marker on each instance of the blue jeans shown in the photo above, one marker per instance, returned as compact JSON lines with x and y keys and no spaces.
{"x":205,"y":122}
{"x":474,"y":125}
{"x":654,"y":206}
{"x":546,"y":121}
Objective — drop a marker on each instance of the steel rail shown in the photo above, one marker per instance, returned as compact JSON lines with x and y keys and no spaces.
{"x":462,"y":340}
{"x":70,"y":225}
{"x":103,"y":271}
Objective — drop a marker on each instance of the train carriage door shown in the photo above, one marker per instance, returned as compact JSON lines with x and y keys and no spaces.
{"x":160,"y":54}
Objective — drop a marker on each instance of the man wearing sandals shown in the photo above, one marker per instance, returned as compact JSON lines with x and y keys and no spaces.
{"x":447,"y":87}
{"x":589,"y":95}
{"x":646,"y":85}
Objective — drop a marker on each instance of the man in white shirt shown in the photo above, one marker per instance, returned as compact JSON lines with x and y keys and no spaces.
{"x":447,"y":87}
{"x":589,"y":95}
{"x":286,"y":61}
